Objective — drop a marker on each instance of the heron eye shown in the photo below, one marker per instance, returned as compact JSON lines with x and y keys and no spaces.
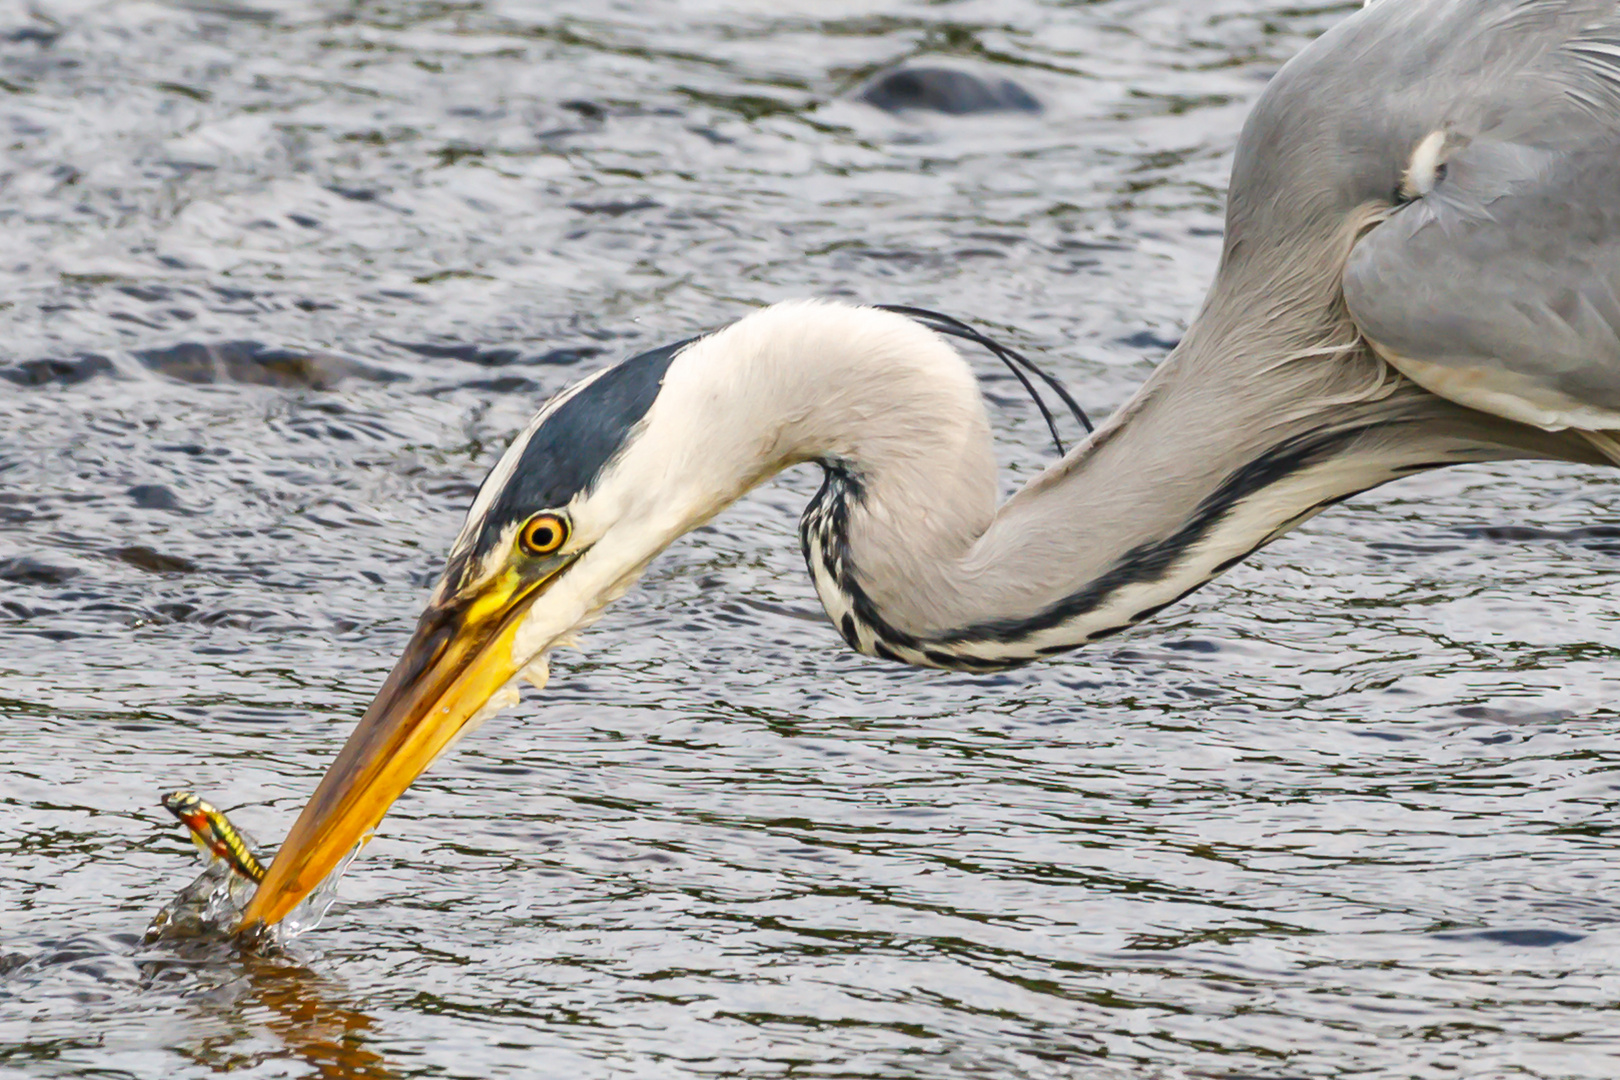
{"x":543,"y":534}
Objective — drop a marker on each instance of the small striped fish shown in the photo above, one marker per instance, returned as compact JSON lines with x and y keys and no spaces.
{"x":212,"y":831}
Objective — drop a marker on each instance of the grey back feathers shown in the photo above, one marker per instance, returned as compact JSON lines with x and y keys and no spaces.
{"x":1501,"y":288}
{"x":1475,"y":147}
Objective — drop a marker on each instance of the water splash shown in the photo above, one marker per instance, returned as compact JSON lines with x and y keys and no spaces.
{"x":213,"y":903}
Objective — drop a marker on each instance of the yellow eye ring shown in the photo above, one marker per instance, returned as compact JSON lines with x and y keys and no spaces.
{"x":543,"y":534}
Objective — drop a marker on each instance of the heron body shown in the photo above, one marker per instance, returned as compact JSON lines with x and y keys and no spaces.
{"x":1421,"y":268}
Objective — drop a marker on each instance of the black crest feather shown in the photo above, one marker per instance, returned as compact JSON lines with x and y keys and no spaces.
{"x":1016,"y":362}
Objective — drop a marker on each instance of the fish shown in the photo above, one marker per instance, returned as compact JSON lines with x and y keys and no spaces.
{"x":213,"y":832}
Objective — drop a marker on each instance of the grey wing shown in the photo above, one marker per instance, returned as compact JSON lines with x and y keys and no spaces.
{"x":1500,"y":288}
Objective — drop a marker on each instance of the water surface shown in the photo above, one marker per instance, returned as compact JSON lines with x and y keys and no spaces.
{"x":277,"y":283}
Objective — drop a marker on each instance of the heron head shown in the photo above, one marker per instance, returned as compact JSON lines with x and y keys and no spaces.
{"x":578,"y":505}
{"x":607,"y":475}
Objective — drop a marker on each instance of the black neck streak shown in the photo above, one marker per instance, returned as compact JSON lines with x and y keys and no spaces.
{"x":1004,"y":643}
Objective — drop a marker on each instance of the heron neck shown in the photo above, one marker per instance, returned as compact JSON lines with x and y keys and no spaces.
{"x":1236,"y":438}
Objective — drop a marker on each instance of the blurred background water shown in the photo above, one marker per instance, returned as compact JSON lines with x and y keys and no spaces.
{"x":277,"y":282}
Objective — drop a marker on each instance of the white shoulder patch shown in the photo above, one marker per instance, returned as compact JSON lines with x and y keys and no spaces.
{"x":1423,"y":171}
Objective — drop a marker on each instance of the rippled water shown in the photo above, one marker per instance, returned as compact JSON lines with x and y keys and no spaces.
{"x":279,"y":282}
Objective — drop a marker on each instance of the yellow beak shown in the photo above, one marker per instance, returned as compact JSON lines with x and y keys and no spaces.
{"x":458,"y":658}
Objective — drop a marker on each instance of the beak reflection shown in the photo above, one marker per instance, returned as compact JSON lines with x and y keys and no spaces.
{"x":459,"y":656}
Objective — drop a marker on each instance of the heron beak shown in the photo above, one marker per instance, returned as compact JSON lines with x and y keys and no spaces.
{"x":459,"y":656}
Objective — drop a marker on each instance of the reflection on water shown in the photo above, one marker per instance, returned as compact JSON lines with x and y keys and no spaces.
{"x":280,"y":280}
{"x":240,"y":1010}
{"x":312,"y":1018}
{"x":219,"y":1006}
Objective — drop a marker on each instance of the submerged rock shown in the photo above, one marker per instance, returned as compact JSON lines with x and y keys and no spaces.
{"x":945,"y":90}
{"x":257,"y":364}
{"x":53,"y":372}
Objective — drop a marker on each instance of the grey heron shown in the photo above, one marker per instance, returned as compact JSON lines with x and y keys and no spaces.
{"x":1420,"y":268}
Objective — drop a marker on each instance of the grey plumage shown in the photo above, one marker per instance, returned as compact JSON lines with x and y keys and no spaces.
{"x":1498,"y":287}
{"x":1502,"y":283}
